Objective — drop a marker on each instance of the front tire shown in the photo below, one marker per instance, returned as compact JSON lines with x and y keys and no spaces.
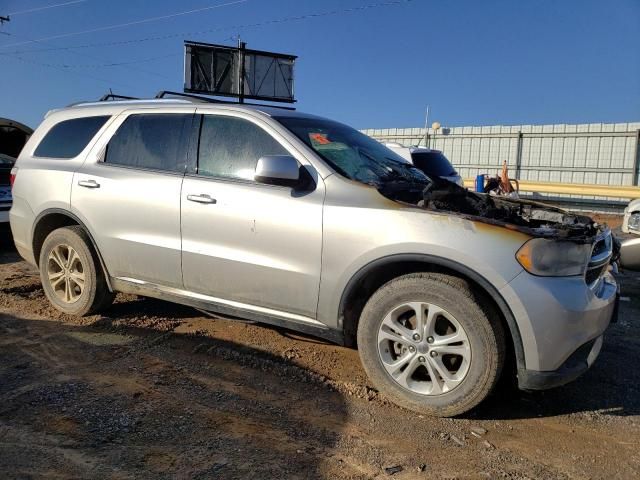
{"x":71,"y":275}
{"x":428,"y":345}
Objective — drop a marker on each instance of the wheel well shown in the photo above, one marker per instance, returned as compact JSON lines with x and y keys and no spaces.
{"x":360,"y":290}
{"x":54,"y":219}
{"x":47,"y":224}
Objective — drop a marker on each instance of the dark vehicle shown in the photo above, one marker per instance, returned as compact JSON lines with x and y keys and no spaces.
{"x":432,"y":162}
{"x":13,"y":136}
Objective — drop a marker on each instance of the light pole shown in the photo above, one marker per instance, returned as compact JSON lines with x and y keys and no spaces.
{"x":435,"y":126}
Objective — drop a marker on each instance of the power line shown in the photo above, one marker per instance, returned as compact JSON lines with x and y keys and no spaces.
{"x":84,"y":56}
{"x":66,"y":67}
{"x":81,"y":74}
{"x":288,"y":19}
{"x":46,"y":7}
{"x":95,"y":65}
{"x":128,"y":24}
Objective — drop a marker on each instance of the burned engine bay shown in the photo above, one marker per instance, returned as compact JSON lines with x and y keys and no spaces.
{"x":529,"y":217}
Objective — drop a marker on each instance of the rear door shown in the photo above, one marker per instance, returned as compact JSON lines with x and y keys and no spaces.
{"x":245,"y":243}
{"x":128,"y":194}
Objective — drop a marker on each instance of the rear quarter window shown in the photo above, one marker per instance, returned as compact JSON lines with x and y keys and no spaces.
{"x":69,"y":137}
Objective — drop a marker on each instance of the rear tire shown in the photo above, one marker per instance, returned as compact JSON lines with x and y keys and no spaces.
{"x":428,"y":345}
{"x":71,"y":274}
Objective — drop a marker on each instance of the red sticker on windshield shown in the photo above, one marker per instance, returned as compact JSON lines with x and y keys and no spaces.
{"x":320,"y":138}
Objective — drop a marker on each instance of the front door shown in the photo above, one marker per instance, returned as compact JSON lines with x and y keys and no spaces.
{"x":252,"y":244}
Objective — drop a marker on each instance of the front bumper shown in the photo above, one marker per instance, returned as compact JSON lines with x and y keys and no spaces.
{"x":578,"y":363}
{"x":561,"y":323}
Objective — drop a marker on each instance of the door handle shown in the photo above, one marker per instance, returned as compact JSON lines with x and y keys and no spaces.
{"x":202,"y":198}
{"x":89,"y":183}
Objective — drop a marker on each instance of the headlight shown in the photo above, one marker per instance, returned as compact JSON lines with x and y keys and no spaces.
{"x":554,"y":258}
{"x":634,"y":221}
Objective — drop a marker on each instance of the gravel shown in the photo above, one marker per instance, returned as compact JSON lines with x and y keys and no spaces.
{"x":155,"y":390}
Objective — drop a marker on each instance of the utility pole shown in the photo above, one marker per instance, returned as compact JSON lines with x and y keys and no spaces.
{"x":242,"y":46}
{"x":426,"y":128}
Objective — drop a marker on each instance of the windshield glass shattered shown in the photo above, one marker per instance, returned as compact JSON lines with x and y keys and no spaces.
{"x":353,"y":154}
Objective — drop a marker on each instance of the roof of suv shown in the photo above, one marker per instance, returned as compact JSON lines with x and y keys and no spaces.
{"x":115,"y":106}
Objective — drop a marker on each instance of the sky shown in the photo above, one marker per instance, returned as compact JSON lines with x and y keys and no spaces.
{"x":473,"y":62}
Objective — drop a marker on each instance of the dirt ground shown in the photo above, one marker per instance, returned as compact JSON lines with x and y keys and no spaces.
{"x":155,"y":390}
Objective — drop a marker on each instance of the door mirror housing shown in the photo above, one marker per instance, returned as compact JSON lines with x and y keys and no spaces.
{"x":278,"y":170}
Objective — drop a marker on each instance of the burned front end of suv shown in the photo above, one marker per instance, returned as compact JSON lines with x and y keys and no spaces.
{"x":564,"y":297}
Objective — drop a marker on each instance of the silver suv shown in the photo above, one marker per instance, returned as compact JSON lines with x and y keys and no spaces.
{"x":295,"y":220}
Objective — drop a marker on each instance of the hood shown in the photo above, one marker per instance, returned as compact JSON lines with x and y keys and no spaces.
{"x":532,"y":218}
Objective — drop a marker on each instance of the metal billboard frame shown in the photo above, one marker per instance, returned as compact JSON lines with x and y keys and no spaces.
{"x":231,"y":79}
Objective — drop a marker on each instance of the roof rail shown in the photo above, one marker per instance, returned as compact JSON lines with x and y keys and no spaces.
{"x":187,"y":96}
{"x":112,"y":96}
{"x":201,"y":99}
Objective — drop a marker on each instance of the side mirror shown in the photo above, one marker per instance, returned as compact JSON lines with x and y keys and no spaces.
{"x":278,"y":170}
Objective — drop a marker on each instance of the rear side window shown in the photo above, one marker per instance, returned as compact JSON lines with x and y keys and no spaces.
{"x":433,"y":164}
{"x":154,"y":141}
{"x":69,"y":137}
{"x":230,"y":147}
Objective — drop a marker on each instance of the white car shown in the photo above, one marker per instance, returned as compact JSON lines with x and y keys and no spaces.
{"x":631,"y":221}
{"x":431,"y":162}
{"x":630,"y":248}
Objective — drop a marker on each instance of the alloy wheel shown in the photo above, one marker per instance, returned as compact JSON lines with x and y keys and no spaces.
{"x":65,"y":273}
{"x":424,"y":348}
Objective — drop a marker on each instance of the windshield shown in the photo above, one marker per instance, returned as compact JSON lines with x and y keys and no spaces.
{"x":353,"y":154}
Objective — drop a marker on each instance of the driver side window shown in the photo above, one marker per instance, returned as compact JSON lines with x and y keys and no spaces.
{"x":230,"y":147}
